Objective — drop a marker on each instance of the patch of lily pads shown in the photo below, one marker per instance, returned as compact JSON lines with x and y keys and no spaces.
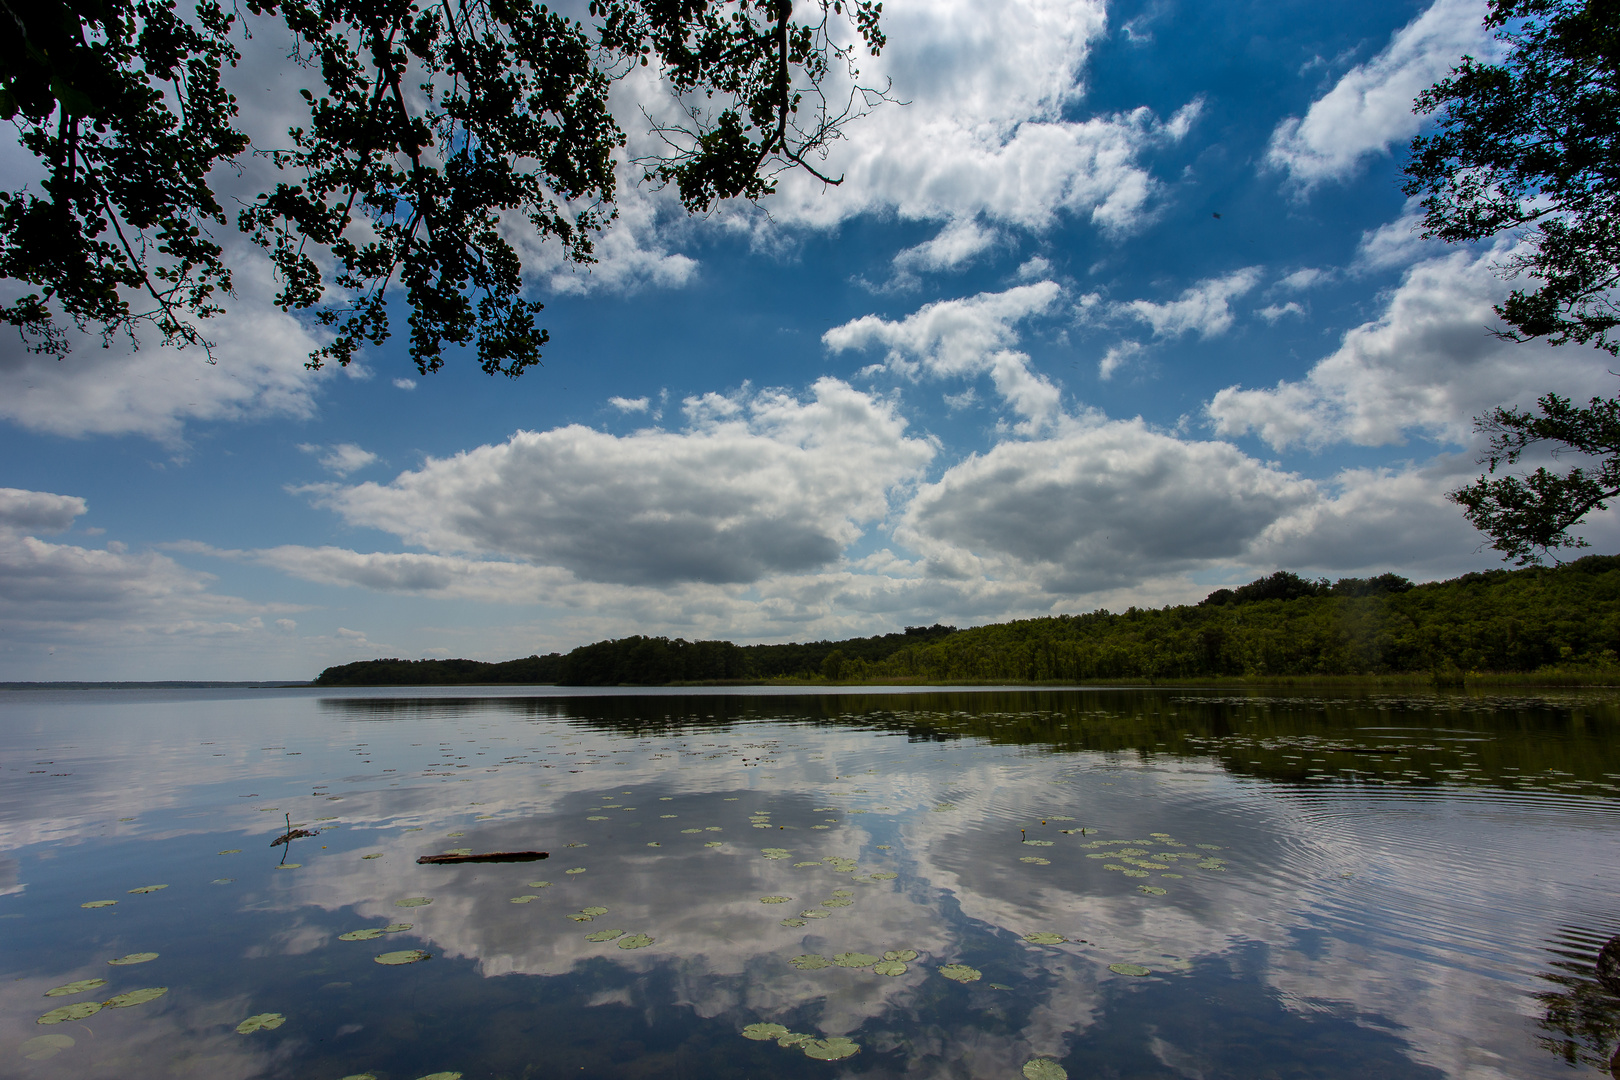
{"x":404,"y":956}
{"x":78,"y":987}
{"x":260,"y":1022}
{"x":835,"y":1048}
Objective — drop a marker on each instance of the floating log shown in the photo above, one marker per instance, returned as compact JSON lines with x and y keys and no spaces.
{"x":487,"y":856}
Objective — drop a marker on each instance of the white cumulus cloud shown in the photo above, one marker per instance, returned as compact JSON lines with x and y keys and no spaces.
{"x":1371,"y":105}
{"x":1206,"y":308}
{"x":757,"y":483}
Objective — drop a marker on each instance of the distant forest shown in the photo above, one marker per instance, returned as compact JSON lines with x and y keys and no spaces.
{"x":1564,"y":618}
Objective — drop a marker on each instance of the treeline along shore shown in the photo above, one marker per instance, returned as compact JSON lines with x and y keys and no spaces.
{"x":1558,"y":621}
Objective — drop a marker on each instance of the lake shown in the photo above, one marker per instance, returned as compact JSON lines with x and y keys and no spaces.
{"x":1160,"y":883}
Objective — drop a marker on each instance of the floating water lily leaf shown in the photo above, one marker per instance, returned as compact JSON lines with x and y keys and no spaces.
{"x":636,"y":941}
{"x":604,"y":935}
{"x":148,"y":888}
{"x":713,"y":828}
{"x":834,"y":1049}
{"x":1129,"y":969}
{"x":136,"y":997}
{"x":810,"y":962}
{"x":802,"y":865}
{"x":360,"y":1076}
{"x":575,"y":870}
{"x":406,"y":956}
{"x":1044,"y":937}
{"x":289,"y":865}
{"x":1151,"y":890}
{"x":1038,"y":861}
{"x":764,"y":1032}
{"x":715,"y":843}
{"x":44,"y":1046}
{"x":1170,"y":875}
{"x":134,"y":958}
{"x":526,"y":898}
{"x":653,"y":844}
{"x":75,"y":987}
{"x":794,"y":1038}
{"x":885,"y":875}
{"x":837,"y":901}
{"x":1044,"y":1069}
{"x":99,"y":903}
{"x":1038,"y":843}
{"x":774,"y":899}
{"x":396,"y":927}
{"x":961,"y":973}
{"x":222,"y":881}
{"x":368,"y":934}
{"x":814,"y":913}
{"x":260,"y":1022}
{"x":776,"y":853}
{"x":1136,"y":873}
{"x":691,"y":830}
{"x":1209,"y":847}
{"x":597,"y":817}
{"x":580,"y":916}
{"x":414,"y":901}
{"x":889,"y":967}
{"x":900,"y":954}
{"x":453,"y":835}
{"x":594,"y":910}
{"x":232,"y":851}
{"x":538,"y":884}
{"x":373,"y":855}
{"x":77,"y":1011}
{"x":441,"y":1076}
{"x":855,"y":959}
{"x":794,"y":922}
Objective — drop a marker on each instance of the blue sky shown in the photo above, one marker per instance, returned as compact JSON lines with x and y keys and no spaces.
{"x":1125,"y":304}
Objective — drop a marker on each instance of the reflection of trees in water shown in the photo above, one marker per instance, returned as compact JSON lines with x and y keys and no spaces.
{"x":1581,"y":1018}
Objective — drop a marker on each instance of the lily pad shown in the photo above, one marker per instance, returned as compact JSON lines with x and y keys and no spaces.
{"x":441,"y":1076}
{"x":1038,"y":843}
{"x":405,"y":956}
{"x":1044,"y":937}
{"x":597,"y":817}
{"x":1151,"y":890}
{"x":232,"y":851}
{"x":794,"y":1038}
{"x":889,"y":967}
{"x":636,"y":941}
{"x":370,"y":933}
{"x":764,"y":1032}
{"x":810,"y":962}
{"x":1044,"y":1069}
{"x":690,"y":831}
{"x":593,"y":911}
{"x":414,"y":901}
{"x":855,"y":959}
{"x":524,"y":899}
{"x":1129,"y":969}
{"x":148,"y":888}
{"x":538,"y":884}
{"x":78,"y":987}
{"x":794,"y":922}
{"x":776,"y":853}
{"x":1038,"y":861}
{"x":575,"y":870}
{"x":396,"y":927}
{"x":774,"y":899}
{"x":604,"y":935}
{"x":814,"y":913}
{"x":260,"y":1022}
{"x":885,"y":875}
{"x":961,"y":973}
{"x":837,"y":901}
{"x":222,"y":881}
{"x":134,"y":958}
{"x":802,"y":865}
{"x":136,"y":997}
{"x":38,"y":1049}
{"x":99,"y":903}
{"x":654,"y":844}
{"x":77,"y":1011}
{"x":715,"y":843}
{"x":901,"y":954}
{"x":834,"y":1049}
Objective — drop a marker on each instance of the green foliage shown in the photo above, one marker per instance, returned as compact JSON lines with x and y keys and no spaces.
{"x":1529,"y":517}
{"x":432,"y":129}
{"x":1531,"y":146}
{"x":1565,"y":617}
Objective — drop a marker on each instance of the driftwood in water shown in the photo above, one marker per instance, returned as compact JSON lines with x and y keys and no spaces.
{"x":488,"y":856}
{"x":291,"y":834}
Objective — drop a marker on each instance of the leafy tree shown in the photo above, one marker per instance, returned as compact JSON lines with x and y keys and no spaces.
{"x":1530,"y":147}
{"x":433,"y":131}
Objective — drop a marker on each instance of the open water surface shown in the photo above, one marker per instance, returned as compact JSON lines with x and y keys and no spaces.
{"x":1097,"y":883}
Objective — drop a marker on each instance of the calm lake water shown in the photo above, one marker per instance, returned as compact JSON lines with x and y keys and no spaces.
{"x":1160,"y":883}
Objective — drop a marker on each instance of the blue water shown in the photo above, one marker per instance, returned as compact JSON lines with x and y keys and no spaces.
{"x":1315,"y":886}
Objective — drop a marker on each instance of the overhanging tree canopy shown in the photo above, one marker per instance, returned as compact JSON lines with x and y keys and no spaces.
{"x":1530,"y":148}
{"x":433,"y":128}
